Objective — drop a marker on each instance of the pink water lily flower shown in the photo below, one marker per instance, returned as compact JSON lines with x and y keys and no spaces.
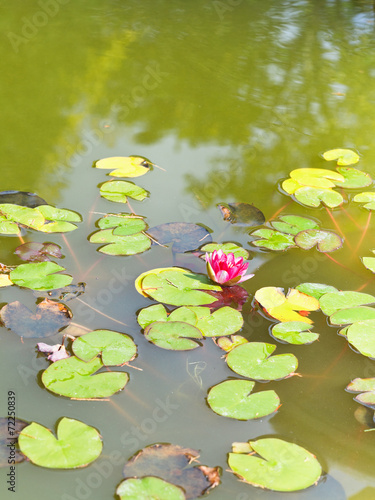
{"x":226,"y":269}
{"x":56,"y":352}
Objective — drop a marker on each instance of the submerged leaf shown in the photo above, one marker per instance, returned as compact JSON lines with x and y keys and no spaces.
{"x":149,"y":488}
{"x":325,"y":241}
{"x":74,"y":378}
{"x":173,"y":464}
{"x":232,"y":399}
{"x":40,"y":276}
{"x":343,"y":156}
{"x":50,"y":317}
{"x":242,"y":214}
{"x":22,"y":198}
{"x":77,"y":444}
{"x":118,"y":191}
{"x":38,"y":252}
{"x":276,"y":465}
{"x":234,"y":296}
{"x":254,"y":360}
{"x":115,"y":348}
{"x":9,"y":432}
{"x":184,"y":236}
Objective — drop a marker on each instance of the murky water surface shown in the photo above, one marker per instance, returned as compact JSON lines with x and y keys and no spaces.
{"x":228,"y":97}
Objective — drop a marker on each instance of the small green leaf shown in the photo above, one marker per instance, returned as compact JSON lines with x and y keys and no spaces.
{"x":120,"y":245}
{"x":57,"y":227}
{"x":77,"y":444}
{"x":334,"y":301}
{"x":8,"y":227}
{"x":173,"y":335}
{"x":118,"y":191}
{"x":276,"y":465}
{"x":40,"y":276}
{"x":115,"y":348}
{"x":366,"y":197}
{"x":150,"y":314}
{"x":343,"y":156}
{"x":232,"y":399}
{"x":351,"y":315}
{"x":123,"y":224}
{"x":229,"y":247}
{"x":369,"y":263}
{"x":315,"y":290}
{"x":273,"y":240}
{"x":74,"y":378}
{"x":325,"y":241}
{"x":293,"y":224}
{"x":294,"y":332}
{"x":361,"y":385}
{"x":254,"y":360}
{"x":361,"y":335}
{"x":29,"y":217}
{"x":149,"y":488}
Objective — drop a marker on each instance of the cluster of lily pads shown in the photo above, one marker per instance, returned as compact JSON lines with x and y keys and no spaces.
{"x":197,"y":309}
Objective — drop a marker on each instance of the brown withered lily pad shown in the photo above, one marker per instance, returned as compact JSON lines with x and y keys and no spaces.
{"x":34,"y":251}
{"x":49,"y":318}
{"x":9,"y":432}
{"x":184,"y":236}
{"x":242,"y":214}
{"x":67,"y":293}
{"x":173,"y":464}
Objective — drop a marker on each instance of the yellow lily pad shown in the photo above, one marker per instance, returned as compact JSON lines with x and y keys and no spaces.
{"x":125,"y":166}
{"x":316,"y":177}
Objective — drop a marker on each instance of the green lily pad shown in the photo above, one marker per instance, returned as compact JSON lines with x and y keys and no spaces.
{"x":118,"y":191}
{"x":343,"y":156}
{"x":57,"y":227}
{"x":361,"y":335}
{"x":58,"y":214}
{"x":74,"y":378}
{"x":227,"y":344}
{"x":177,"y":287}
{"x":313,"y":197}
{"x":367,"y":387}
{"x":335,"y":301}
{"x":8,"y":227}
{"x":227,"y":248}
{"x":77,"y":444}
{"x":276,"y":465}
{"x":254,"y":360}
{"x":123,"y":224}
{"x":293,"y":224}
{"x":125,"y":166}
{"x":40,"y":276}
{"x":325,"y":241}
{"x":149,"y":488}
{"x":315,"y":290}
{"x":148,"y":315}
{"x":242,"y":214}
{"x":351,"y":315}
{"x":26,"y":216}
{"x":294,"y":332}
{"x":354,"y":179}
{"x":173,"y":335}
{"x":316,"y":177}
{"x":273,"y":240}
{"x":232,"y":399}
{"x":120,"y":245}
{"x":284,"y":308}
{"x":366,"y":197}
{"x":369,"y":263}
{"x":115,"y":348}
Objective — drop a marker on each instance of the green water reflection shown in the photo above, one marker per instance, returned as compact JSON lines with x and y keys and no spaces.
{"x":228,"y":96}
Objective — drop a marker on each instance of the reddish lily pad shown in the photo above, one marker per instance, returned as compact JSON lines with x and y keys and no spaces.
{"x":173,"y":464}
{"x":234,"y":296}
{"x":38,"y":252}
{"x":50,"y":317}
{"x":184,"y":236}
{"x":242,"y":214}
{"x":10,"y":429}
{"x":325,"y":241}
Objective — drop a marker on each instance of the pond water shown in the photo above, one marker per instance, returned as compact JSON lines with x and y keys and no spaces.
{"x":228,"y":97}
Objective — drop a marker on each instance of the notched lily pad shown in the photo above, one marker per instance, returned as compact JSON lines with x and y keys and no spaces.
{"x":184,"y":236}
{"x":77,"y":444}
{"x":254,"y":360}
{"x":40,"y":276}
{"x":325,"y":241}
{"x":173,"y":335}
{"x":172,"y":463}
{"x":361,"y":335}
{"x":50,"y":317}
{"x":284,"y":308}
{"x":9,"y":432}
{"x":276,"y":465}
{"x":315,"y":290}
{"x":293,"y":224}
{"x":273,"y":240}
{"x":227,"y":344}
{"x":233,"y":399}
{"x":74,"y":378}
{"x":294,"y":332}
{"x":34,"y":251}
{"x":343,"y":156}
{"x":115,"y":348}
{"x":125,"y":166}
{"x":368,"y":198}
{"x":242,"y":214}
{"x":354,"y":179}
{"x":149,"y":488}
{"x":332,"y":302}
{"x":120,"y":245}
{"x":123,"y":224}
{"x":119,"y":191}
